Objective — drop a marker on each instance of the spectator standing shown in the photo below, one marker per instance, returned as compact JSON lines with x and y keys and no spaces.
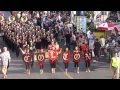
{"x":5,"y":58}
{"x":114,"y":65}
{"x":102,"y":42}
{"x":97,"y":47}
{"x":67,"y":40}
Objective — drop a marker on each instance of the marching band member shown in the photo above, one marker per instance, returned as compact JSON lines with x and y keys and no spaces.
{"x":52,"y":45}
{"x":32,"y":51}
{"x":27,"y":58}
{"x":66,"y":58}
{"x":76,"y":58}
{"x":53,"y":57}
{"x":17,"y":48}
{"x":41,"y":59}
{"x":87,"y":59}
{"x":57,"y":47}
{"x":83,"y":48}
{"x":58,"y":51}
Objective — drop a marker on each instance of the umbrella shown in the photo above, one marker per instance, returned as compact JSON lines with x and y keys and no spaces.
{"x":105,"y":26}
{"x":117,"y":28}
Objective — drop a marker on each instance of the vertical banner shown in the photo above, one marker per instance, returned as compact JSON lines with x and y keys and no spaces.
{"x":78,"y":23}
{"x":73,"y":17}
{"x":83,"y":23}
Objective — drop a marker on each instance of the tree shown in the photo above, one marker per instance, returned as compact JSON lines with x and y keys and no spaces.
{"x":92,"y":27}
{"x":87,"y":14}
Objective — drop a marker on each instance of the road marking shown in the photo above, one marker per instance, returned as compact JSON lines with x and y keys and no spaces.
{"x":68,"y":75}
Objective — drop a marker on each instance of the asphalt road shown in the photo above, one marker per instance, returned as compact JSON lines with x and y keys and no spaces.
{"x":99,"y":70}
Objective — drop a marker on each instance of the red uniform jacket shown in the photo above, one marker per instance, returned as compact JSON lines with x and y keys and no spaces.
{"x":83,"y":47}
{"x":40,"y":58}
{"x":87,"y":56}
{"x":52,"y":55}
{"x":76,"y":56}
{"x":27,"y":57}
{"x":66,"y":57}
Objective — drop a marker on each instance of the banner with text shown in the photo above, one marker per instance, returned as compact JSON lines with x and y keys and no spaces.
{"x":83,"y":23}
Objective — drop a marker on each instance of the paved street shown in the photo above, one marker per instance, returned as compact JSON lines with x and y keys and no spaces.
{"x":99,"y":70}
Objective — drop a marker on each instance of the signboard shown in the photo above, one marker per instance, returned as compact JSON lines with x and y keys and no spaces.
{"x":83,"y":23}
{"x":97,"y":17}
{"x":98,"y":34}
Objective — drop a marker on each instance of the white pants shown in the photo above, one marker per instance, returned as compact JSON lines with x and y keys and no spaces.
{"x":91,"y":44}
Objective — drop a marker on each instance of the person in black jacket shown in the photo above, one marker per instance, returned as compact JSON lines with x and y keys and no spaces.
{"x":97,"y":47}
{"x":17,"y":49}
{"x":67,"y":40}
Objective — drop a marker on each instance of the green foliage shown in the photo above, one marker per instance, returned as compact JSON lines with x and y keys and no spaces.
{"x":92,"y":27}
{"x":87,"y":14}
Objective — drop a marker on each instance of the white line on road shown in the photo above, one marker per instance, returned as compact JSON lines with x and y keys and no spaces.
{"x":68,"y":75}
